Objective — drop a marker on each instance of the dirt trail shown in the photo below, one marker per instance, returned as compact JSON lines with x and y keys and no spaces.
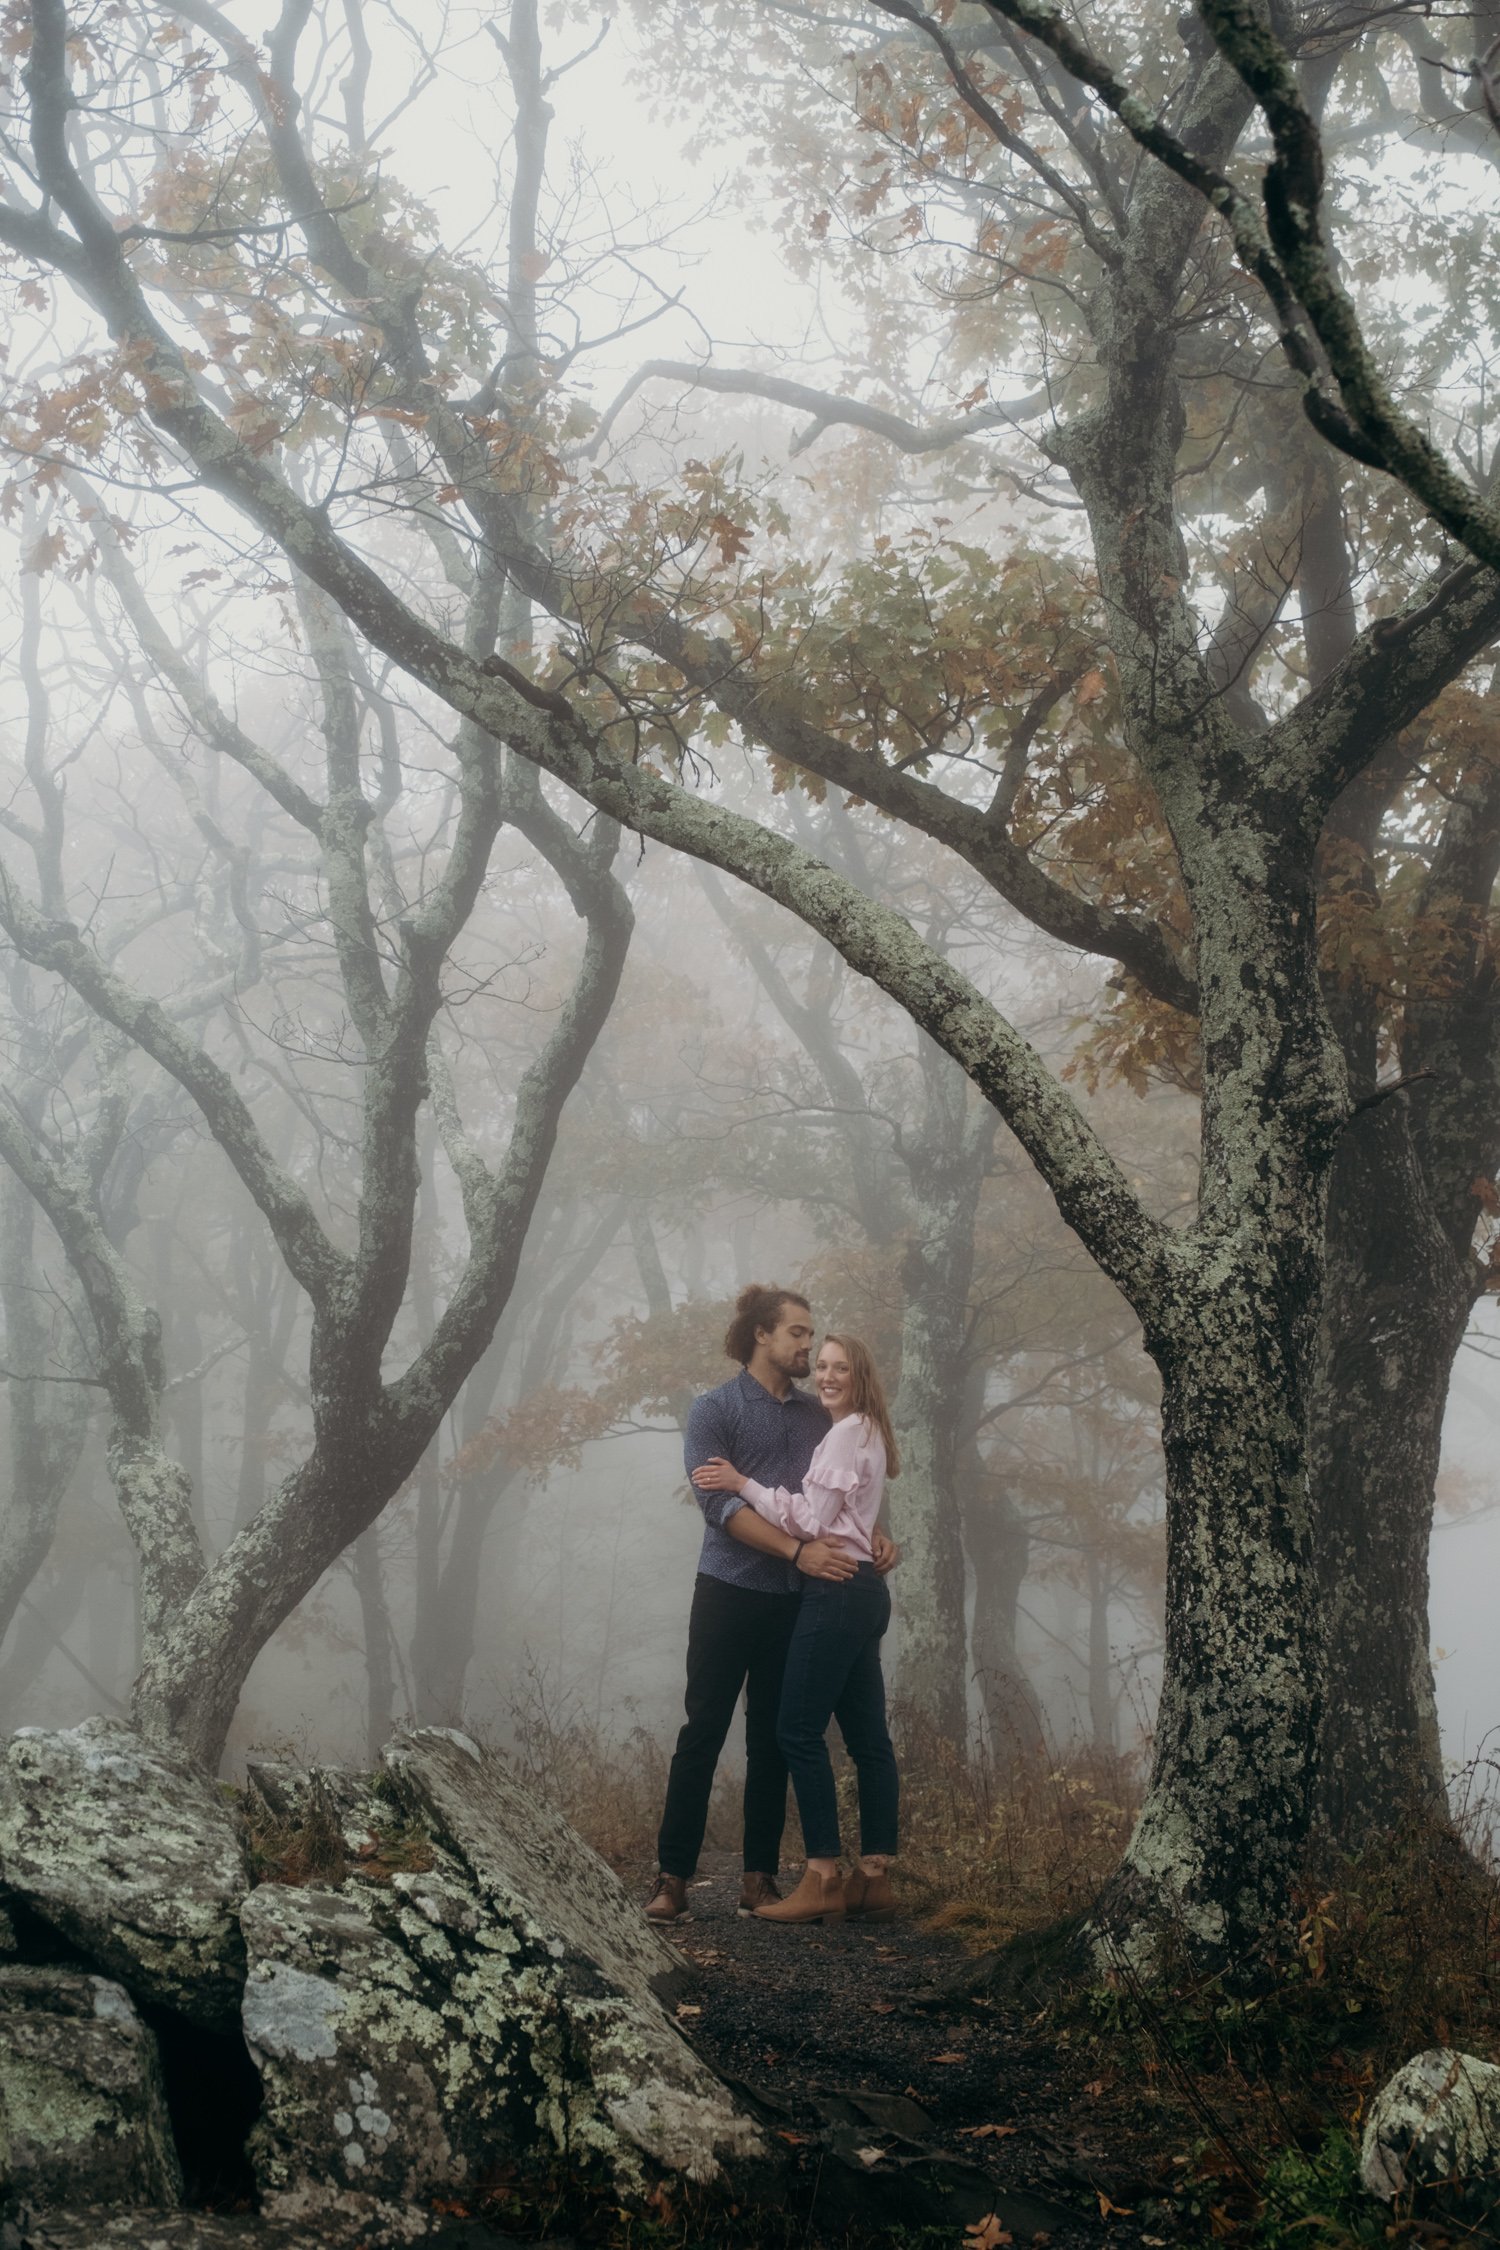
{"x":803,"y":2012}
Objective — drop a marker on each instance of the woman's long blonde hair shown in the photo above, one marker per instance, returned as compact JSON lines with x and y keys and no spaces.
{"x":867,"y":1394}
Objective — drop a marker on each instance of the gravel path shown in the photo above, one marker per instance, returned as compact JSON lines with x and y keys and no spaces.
{"x":798,"y":2013}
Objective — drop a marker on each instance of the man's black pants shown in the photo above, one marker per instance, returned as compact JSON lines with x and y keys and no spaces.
{"x":737,"y":1638}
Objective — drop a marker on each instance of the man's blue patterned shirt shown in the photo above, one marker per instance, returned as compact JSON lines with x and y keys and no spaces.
{"x":770,"y":1439}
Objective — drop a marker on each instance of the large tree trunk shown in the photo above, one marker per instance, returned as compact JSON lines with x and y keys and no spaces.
{"x":1220,"y":1838}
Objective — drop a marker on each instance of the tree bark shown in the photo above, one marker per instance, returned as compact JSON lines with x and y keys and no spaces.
{"x":1219,"y":1841}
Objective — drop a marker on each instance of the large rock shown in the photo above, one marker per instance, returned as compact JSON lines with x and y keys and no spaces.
{"x":1436,"y":2122}
{"x":131,"y":1857}
{"x":479,"y":1987}
{"x":82,"y":2109}
{"x":93,"y":2229}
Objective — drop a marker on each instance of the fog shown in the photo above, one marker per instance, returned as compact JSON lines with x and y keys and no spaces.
{"x":752,"y":1110}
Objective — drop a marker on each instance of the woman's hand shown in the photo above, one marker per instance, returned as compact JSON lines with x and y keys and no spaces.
{"x":717,"y":1476}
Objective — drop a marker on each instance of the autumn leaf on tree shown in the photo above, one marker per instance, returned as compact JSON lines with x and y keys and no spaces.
{"x":47,"y":550}
{"x":731,"y":539}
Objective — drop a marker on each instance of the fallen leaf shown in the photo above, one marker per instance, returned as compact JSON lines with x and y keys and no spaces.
{"x":947,"y":2058}
{"x":1108,"y":2210}
{"x":688,"y":2008}
{"x":1094,"y":2088}
{"x":986,"y":2233}
{"x":798,"y":2140}
{"x":882,"y":2007}
{"x":986,"y":2132}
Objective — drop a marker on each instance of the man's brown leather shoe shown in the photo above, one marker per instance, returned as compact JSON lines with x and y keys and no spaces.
{"x":668,"y":1902}
{"x":869,"y":1898}
{"x":817,"y":1898}
{"x":757,"y":1891}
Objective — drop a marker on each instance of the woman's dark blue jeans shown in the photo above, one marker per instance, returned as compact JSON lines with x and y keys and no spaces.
{"x":833,"y":1671}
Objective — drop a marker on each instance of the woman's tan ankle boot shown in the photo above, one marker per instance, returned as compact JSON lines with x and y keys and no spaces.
{"x":817,"y":1898}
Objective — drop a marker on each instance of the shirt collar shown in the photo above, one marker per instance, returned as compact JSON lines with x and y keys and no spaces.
{"x":749,"y":1388}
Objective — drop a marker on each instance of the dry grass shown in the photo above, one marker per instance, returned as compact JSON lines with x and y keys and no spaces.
{"x":990,"y":1852}
{"x":306,"y":1849}
{"x":611,"y":1791}
{"x":986,"y":1852}
{"x":309,"y":1846}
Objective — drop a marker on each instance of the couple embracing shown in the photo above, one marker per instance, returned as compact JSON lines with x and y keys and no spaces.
{"x":789,"y":1605}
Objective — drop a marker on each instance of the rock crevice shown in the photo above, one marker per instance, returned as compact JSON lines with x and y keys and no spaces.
{"x":460,"y":1982}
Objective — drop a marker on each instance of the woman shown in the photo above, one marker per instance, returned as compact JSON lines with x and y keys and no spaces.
{"x":833,"y":1664}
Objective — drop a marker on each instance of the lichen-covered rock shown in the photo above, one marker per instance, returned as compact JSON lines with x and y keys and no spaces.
{"x":1437,"y":2120}
{"x":131,"y":1856}
{"x":362,"y":2057}
{"x":157,"y":2230}
{"x":82,"y":2109}
{"x":492,"y":1997}
{"x":625,"y":2083}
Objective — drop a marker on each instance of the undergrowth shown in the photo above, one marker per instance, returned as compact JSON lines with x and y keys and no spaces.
{"x":995,"y":1852}
{"x":1245,"y":2102}
{"x":610,"y":1790}
{"x":309,"y":1846}
{"x":985,"y":1852}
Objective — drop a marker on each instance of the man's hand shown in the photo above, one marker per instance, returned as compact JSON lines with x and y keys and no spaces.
{"x":884,"y":1552}
{"x":821,"y":1559}
{"x":717,"y":1476}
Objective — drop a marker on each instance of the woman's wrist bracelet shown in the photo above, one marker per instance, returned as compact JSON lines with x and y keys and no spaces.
{"x":797,"y":1552}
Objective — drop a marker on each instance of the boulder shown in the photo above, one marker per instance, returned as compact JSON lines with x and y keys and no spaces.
{"x":154,"y":2230}
{"x":1436,"y":2122}
{"x":82,"y":2108}
{"x":575,"y":1946}
{"x":130,"y":1856}
{"x":478,"y":1987}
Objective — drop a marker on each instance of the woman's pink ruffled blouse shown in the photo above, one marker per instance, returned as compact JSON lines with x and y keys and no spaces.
{"x":841,"y":1492}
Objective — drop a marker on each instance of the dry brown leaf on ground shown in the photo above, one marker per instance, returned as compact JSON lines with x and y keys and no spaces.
{"x":986,"y":2234}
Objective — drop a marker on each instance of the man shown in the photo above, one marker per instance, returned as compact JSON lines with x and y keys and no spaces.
{"x":746,"y":1595}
